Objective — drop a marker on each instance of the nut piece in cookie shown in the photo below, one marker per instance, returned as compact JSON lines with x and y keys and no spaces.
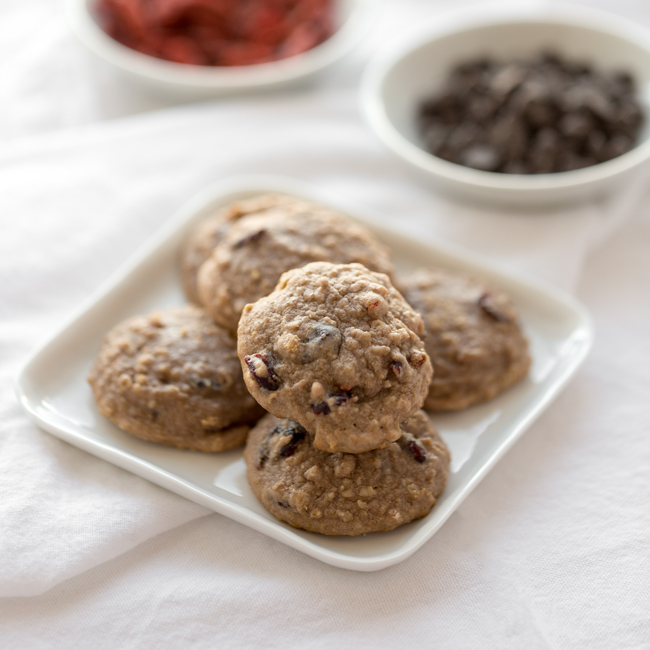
{"x":346,"y":494}
{"x":472,"y":335}
{"x":203,"y":239}
{"x":337,"y":349}
{"x":248,"y":262}
{"x":173,"y":377}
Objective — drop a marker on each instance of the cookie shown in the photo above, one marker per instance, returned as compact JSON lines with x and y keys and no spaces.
{"x":346,"y":494}
{"x":337,"y":349}
{"x":247,"y":264}
{"x":203,"y":239}
{"x":173,"y":377}
{"x":472,"y":335}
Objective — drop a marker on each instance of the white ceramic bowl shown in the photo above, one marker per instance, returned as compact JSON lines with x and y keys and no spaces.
{"x":190,"y":81}
{"x":395,"y":83}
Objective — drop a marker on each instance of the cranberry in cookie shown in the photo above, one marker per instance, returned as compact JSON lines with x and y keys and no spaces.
{"x":346,"y":494}
{"x":336,"y":348}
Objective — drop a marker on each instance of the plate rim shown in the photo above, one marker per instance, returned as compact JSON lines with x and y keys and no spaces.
{"x":181,"y":219}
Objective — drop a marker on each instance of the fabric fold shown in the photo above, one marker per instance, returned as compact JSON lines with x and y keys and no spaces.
{"x":101,"y":192}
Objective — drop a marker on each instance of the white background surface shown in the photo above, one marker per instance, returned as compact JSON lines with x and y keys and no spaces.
{"x":551,"y":551}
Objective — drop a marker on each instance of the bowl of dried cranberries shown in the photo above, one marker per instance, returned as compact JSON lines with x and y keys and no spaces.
{"x":520,"y":106}
{"x":195,"y":48}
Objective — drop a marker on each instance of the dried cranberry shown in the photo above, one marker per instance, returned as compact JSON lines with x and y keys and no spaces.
{"x":322,"y":408}
{"x":417,"y":450}
{"x":270,"y":381}
{"x":417,"y":360}
{"x":217,"y":32}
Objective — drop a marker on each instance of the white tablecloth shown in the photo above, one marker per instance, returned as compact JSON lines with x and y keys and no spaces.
{"x":551,"y":551}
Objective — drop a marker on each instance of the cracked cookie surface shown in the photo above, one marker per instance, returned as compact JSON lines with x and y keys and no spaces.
{"x":247,"y":263}
{"x":174,"y":377}
{"x":346,"y":494}
{"x":337,"y":349}
{"x":472,"y":336}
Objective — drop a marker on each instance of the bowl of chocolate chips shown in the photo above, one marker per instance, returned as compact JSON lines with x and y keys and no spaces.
{"x":522,"y":106}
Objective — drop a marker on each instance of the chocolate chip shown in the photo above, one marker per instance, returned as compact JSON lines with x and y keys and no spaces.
{"x":322,"y":341}
{"x":627,"y":119}
{"x":617,"y":145}
{"x":569,"y":161}
{"x":293,"y":430}
{"x":510,"y":136}
{"x":540,"y":113}
{"x":507,"y":78}
{"x":625,"y":80}
{"x":481,"y":108}
{"x":516,"y":167}
{"x":594,"y":144}
{"x":462,"y":136}
{"x":435,"y":138}
{"x":486,"y":303}
{"x":324,"y":408}
{"x":544,"y":151}
{"x":577,"y":124}
{"x":250,"y":239}
{"x":201,"y":382}
{"x":297,"y":435}
{"x":588,"y":96}
{"x":269,"y":380}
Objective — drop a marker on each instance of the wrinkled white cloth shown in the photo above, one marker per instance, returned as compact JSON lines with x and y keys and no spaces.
{"x":549,"y":552}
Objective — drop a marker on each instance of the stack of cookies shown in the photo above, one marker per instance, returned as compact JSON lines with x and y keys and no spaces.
{"x":299,"y":318}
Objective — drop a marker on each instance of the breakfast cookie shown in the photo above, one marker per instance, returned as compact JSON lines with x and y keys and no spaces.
{"x":337,"y":349}
{"x":472,"y":336}
{"x":346,"y":494}
{"x":203,"y":239}
{"x":248,"y":262}
{"x":174,"y":377}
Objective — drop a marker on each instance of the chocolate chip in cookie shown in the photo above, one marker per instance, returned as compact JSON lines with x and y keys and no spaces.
{"x":337,"y":349}
{"x":346,"y":494}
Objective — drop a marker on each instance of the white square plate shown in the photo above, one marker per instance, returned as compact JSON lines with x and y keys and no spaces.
{"x":53,"y":390}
